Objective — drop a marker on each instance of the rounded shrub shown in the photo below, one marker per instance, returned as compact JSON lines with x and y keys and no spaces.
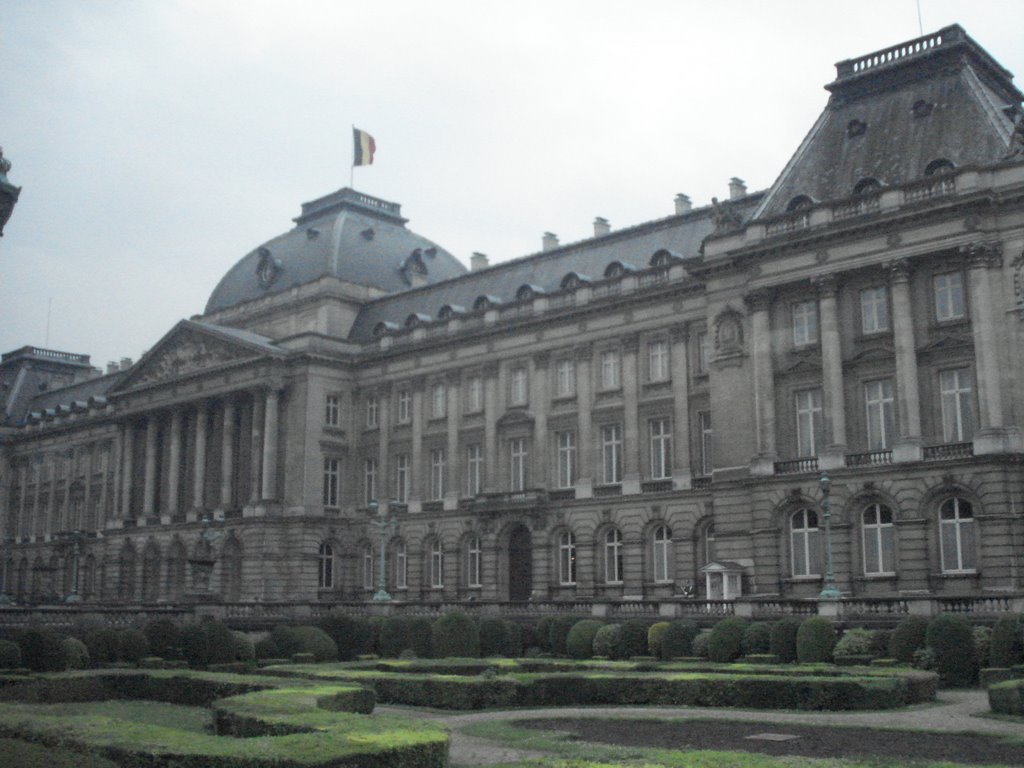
{"x":515,"y":639}
{"x":76,"y":655}
{"x":606,"y":640}
{"x":455,"y":634}
{"x":678,"y":639}
{"x":420,"y":631}
{"x":815,"y":641}
{"x":104,"y":646}
{"x":908,"y":637}
{"x":42,"y":650}
{"x":1007,"y":645}
{"x":306,"y":639}
{"x":494,"y":640}
{"x":542,"y":633}
{"x":855,"y":641}
{"x":10,"y":655}
{"x":221,"y":642}
{"x":757,"y":638}
{"x":633,"y":639}
{"x":349,"y":634}
{"x":701,"y":644}
{"x":558,"y":632}
{"x":782,"y":640}
{"x":950,"y":638}
{"x":655,"y":633}
{"x":244,"y":649}
{"x":880,"y":639}
{"x":133,"y":645}
{"x":394,"y":637}
{"x":726,"y":641}
{"x":528,"y":636}
{"x":981,"y":640}
{"x":266,"y":648}
{"x":195,"y":645}
{"x":580,"y":642}
{"x":164,"y":638}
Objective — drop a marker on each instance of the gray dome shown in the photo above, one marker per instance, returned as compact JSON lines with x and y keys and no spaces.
{"x":348,"y":235}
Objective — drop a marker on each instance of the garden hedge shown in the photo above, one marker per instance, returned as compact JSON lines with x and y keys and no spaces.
{"x":43,"y":650}
{"x":655,"y":633}
{"x":494,"y":638}
{"x":455,"y":634}
{"x":907,"y":638}
{"x":678,"y":639}
{"x":1007,"y":698}
{"x":164,"y":638}
{"x":815,"y":640}
{"x":782,"y":640}
{"x":757,"y":639}
{"x":726,"y":641}
{"x":10,"y":655}
{"x":1006,"y":646}
{"x":633,"y":639}
{"x":950,"y":638}
{"x":558,"y":632}
{"x":606,"y":640}
{"x":580,"y":642}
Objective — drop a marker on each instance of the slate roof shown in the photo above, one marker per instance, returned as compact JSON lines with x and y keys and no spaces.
{"x":347,"y":235}
{"x":82,"y":391}
{"x":682,"y":234}
{"x":964,"y":92}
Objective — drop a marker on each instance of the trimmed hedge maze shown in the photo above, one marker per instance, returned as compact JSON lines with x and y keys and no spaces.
{"x":259,"y":722}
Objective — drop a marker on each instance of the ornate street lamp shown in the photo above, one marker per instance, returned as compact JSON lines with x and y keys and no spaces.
{"x":8,"y":193}
{"x":384,"y":526}
{"x":829,"y":590}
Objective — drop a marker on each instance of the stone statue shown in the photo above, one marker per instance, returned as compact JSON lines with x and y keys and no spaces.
{"x":8,"y":192}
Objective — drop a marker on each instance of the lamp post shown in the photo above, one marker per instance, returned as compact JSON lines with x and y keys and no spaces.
{"x":829,"y":589}
{"x":384,"y":526}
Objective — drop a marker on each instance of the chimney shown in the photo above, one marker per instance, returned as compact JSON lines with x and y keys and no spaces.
{"x":683,"y":204}
{"x":126,"y":363}
{"x":549,"y":242}
{"x":737,"y":188}
{"x":601,"y":227}
{"x":478,"y":261}
{"x":112,"y":367}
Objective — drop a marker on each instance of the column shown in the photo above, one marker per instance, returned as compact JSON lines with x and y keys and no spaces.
{"x":630,"y":418}
{"x":491,"y":475}
{"x":110,"y":451}
{"x":126,"y":477}
{"x":227,"y":463}
{"x":416,"y":490}
{"x":833,"y":454}
{"x":759,"y":303}
{"x":149,"y":489}
{"x":51,"y":500}
{"x":117,"y":459}
{"x":199,"y":469}
{"x":982,"y":259}
{"x":681,"y":471}
{"x":584,"y":437}
{"x":540,"y":401}
{"x":385,"y":486}
{"x":455,"y":485}
{"x":271,"y":441}
{"x":21,"y":528}
{"x":174,"y":469}
{"x":91,"y":458}
{"x":256,"y":447}
{"x":907,"y":446}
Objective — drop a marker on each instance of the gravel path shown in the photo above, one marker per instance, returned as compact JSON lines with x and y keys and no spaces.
{"x":955,"y":711}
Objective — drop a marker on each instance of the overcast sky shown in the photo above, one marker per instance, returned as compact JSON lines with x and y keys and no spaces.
{"x":159,"y":142}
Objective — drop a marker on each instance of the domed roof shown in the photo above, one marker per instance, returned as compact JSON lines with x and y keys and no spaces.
{"x":348,"y":235}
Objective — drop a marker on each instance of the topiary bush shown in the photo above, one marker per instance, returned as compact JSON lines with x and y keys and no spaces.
{"x":420,"y":631}
{"x":42,"y":650}
{"x":244,"y":649}
{"x":855,"y":641}
{"x":580,"y":642}
{"x":305,"y":639}
{"x":266,"y":648}
{"x":394,"y":637}
{"x":558,"y":632}
{"x":515,"y":639}
{"x":164,"y":638}
{"x":633,"y":640}
{"x":606,"y":640}
{"x":701,"y":644}
{"x":76,"y":655}
{"x":494,"y":640}
{"x":678,"y":639}
{"x":455,"y":634}
{"x":1007,"y":645}
{"x":815,"y":641}
{"x":981,"y":641}
{"x":104,"y":646}
{"x":349,"y":634}
{"x":757,"y":638}
{"x":133,"y":645}
{"x":782,"y":640}
{"x":195,"y":645}
{"x":542,"y":633}
{"x":726,"y":641}
{"x":880,"y":643}
{"x":950,"y":638}
{"x":10,"y":655}
{"x":908,"y":637}
{"x":655,"y":633}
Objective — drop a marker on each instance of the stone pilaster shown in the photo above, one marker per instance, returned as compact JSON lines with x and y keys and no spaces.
{"x":227,"y":448}
{"x":259,"y":416}
{"x":384,"y":485}
{"x":759,"y":304}
{"x":907,"y":446}
{"x":491,"y":475}
{"x":540,"y":402}
{"x":271,"y":444}
{"x":833,"y":454}
{"x":630,"y":416}
{"x":174,"y":469}
{"x":126,"y":476}
{"x":584,"y":404}
{"x":681,"y":470}
{"x":453,"y":413}
{"x":417,"y":488}
{"x":152,"y":448}
{"x":199,"y":469}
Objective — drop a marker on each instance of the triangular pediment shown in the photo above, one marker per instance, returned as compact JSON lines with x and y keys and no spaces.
{"x":517,"y":416}
{"x":722,"y":566}
{"x":946,"y":342}
{"x":191,"y":347}
{"x":806,"y":364}
{"x":873,"y":353}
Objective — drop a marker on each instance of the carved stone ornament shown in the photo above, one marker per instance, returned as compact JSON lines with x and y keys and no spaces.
{"x":1018,"y":281}
{"x":267,"y":268}
{"x":186,"y":354}
{"x":899,"y":270}
{"x":728,"y":332}
{"x":725,"y":217}
{"x":983,"y":255}
{"x":759,"y":300}
{"x":825,"y":285}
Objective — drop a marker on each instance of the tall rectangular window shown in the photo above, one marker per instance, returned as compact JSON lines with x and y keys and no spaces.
{"x":518,"y":386}
{"x":805,"y":323}
{"x":566,"y":442}
{"x":878,"y":406}
{"x":371,"y":411}
{"x":657,"y":361}
{"x":474,"y":469}
{"x":369,"y":481}
{"x":809,"y":429}
{"x":704,"y":425}
{"x":438,"y":401}
{"x":661,"y":448}
{"x":473,"y":557}
{"x":437,"y":564}
{"x":401,"y":566}
{"x":874,"y":310}
{"x":611,"y":453}
{"x":703,"y":352}
{"x":949,"y":296}
{"x":437,"y":468}
{"x":404,"y":406}
{"x":957,"y":411}
{"x":565,"y":378}
{"x":475,"y":395}
{"x":402,"y":478}
{"x":611,"y":369}
{"x":332,"y":410}
{"x":332,"y":477}
{"x":518,"y":456}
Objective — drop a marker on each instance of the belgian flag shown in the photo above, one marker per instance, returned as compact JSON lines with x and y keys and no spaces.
{"x":365,"y":146}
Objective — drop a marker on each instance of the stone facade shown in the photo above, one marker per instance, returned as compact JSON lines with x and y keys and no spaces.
{"x":592,"y":423}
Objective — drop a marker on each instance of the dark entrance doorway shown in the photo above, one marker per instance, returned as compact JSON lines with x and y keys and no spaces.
{"x":520,"y":564}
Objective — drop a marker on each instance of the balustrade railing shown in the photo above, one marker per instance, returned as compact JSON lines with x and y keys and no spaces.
{"x":782,"y":607}
{"x":947,"y":451}
{"x":869,"y":458}
{"x":608,"y":490}
{"x":933,"y":186}
{"x":858,"y":206}
{"x":788,"y":223}
{"x":656,"y":486}
{"x":562,"y":494}
{"x":701,"y":483}
{"x":650,"y":279}
{"x":794,"y":466}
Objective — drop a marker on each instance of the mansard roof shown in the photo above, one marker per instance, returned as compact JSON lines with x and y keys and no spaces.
{"x":894,"y":112}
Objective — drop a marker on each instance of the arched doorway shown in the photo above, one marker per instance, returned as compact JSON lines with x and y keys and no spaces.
{"x":520,"y":564}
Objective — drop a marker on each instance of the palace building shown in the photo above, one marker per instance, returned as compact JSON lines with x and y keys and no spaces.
{"x":643,"y":417}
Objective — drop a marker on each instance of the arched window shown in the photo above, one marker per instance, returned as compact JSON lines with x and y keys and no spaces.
{"x":879,"y":540}
{"x":436,"y":564}
{"x":867,"y":187}
{"x":567,"y":558}
{"x":325,"y":574}
{"x":662,"y":544}
{"x":799,"y":203}
{"x":400,"y":566}
{"x":805,"y":543}
{"x":368,"y":566}
{"x":939,"y":167}
{"x":613,"y":557}
{"x":150,"y":574}
{"x":956,"y":535}
{"x":473,"y":560}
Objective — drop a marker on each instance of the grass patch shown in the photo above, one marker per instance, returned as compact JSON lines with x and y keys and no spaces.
{"x":22,"y":754}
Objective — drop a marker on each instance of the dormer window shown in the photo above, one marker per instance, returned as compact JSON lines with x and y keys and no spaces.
{"x":615,"y":269}
{"x":527,"y":292}
{"x":416,"y":319}
{"x":939,"y":167}
{"x":799,"y":203}
{"x":921,"y":108}
{"x":856,"y":128}
{"x":483,"y":303}
{"x":867,"y":187}
{"x":448,"y":311}
{"x":383,"y":328}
